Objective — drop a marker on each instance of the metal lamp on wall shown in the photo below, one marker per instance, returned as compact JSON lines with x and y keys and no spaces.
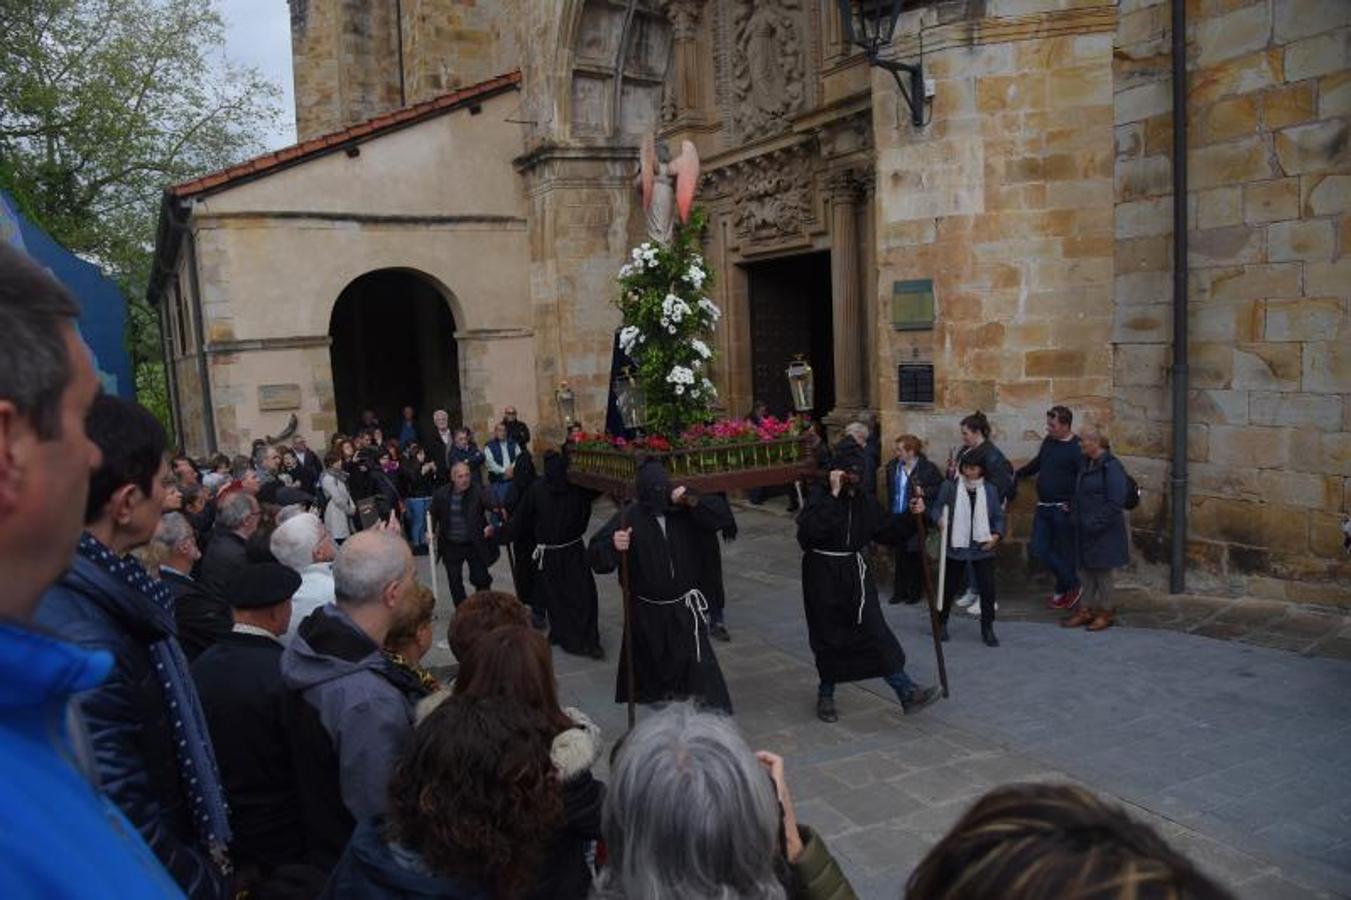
{"x":802,"y":385}
{"x":567,"y":404}
{"x":631,"y":400}
{"x":870,"y":26}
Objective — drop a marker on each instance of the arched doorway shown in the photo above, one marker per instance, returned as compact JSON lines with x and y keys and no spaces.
{"x":393,"y":345}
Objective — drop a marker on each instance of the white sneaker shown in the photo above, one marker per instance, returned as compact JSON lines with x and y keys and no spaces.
{"x":974,"y":608}
{"x":967,"y":599}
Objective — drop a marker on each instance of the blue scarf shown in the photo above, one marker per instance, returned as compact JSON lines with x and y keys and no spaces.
{"x":192,"y":741}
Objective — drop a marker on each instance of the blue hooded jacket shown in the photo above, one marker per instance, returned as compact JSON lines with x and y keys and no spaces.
{"x":59,"y":837}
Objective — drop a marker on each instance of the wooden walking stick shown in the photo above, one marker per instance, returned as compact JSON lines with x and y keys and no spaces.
{"x":929,"y":588}
{"x":627,"y":592}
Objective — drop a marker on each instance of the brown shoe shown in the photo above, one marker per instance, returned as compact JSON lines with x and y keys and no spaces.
{"x":1102,"y":620}
{"x":1082,"y":616}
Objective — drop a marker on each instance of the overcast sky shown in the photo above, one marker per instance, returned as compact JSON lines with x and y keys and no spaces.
{"x":258,"y":33}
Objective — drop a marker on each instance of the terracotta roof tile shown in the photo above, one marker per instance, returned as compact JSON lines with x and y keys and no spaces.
{"x":317,"y":146}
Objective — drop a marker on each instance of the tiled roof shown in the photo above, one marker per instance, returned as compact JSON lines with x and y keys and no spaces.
{"x":337,"y":140}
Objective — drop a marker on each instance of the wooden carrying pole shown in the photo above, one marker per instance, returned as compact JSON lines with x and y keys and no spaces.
{"x":627,"y":591}
{"x":933,"y":600}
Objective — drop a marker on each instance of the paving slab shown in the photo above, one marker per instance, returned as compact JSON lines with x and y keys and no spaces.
{"x":1236,"y":752}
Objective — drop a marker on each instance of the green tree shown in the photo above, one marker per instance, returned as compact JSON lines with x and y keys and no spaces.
{"x":102,"y":104}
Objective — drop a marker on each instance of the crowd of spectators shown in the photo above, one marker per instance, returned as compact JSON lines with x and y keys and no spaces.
{"x":174,"y":722}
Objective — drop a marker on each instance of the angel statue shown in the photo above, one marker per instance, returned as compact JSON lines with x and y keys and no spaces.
{"x":660,"y":200}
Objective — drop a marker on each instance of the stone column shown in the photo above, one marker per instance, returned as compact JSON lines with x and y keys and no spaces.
{"x":848,"y":318}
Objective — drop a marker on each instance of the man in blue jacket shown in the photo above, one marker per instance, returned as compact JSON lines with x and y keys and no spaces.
{"x":59,"y":836}
{"x":1056,"y":466}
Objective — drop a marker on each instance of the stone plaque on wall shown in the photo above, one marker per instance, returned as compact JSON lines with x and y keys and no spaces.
{"x":278,"y":396}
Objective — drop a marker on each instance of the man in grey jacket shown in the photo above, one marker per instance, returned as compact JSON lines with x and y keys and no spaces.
{"x":349,"y":719}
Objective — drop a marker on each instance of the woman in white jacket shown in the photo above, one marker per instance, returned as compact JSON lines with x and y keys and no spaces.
{"x":340,"y":509}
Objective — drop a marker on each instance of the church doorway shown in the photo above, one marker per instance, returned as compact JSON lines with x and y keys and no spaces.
{"x":790,"y":314}
{"x":393,"y":345}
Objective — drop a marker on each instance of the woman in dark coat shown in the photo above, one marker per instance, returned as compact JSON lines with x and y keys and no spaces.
{"x":473,"y":803}
{"x":548,"y":528}
{"x":1099,"y":517}
{"x":511,"y":665}
{"x":849,"y":637}
{"x":910,"y":474}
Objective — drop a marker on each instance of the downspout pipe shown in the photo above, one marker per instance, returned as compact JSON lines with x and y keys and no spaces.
{"x":1177,"y":576}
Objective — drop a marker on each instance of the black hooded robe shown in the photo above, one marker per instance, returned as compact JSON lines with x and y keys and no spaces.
{"x":523,"y":574}
{"x":672,"y":655}
{"x":549,"y":529}
{"x":849,"y":636}
{"x":710,"y":581}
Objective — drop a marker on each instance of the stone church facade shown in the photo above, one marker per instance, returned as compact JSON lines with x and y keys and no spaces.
{"x":1012,"y":252}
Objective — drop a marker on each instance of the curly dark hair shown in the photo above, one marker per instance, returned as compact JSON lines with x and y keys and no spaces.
{"x":475,"y":793}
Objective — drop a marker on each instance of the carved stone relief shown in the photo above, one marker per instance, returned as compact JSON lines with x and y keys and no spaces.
{"x":773,"y":195}
{"x":767,"y":49}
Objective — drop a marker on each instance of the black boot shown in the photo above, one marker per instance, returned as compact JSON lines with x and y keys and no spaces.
{"x":825,"y":709}
{"x":987,"y":634}
{"x":919,"y":698}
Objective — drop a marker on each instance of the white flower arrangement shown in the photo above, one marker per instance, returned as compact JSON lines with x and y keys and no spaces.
{"x":701,"y":348}
{"x":711,"y":308}
{"x":629,"y":338}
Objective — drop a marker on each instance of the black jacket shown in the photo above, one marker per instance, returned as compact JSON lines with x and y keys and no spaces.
{"x":564,"y":873}
{"x":244,"y":699}
{"x":927,"y":477}
{"x":127,"y":717}
{"x":477,"y":502}
{"x":225,"y":555}
{"x":202,"y":616}
{"x":519,"y":432}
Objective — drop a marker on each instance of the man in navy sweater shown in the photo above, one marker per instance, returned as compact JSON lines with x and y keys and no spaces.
{"x":1056,"y":466}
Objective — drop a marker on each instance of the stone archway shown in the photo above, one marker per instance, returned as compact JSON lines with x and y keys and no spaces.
{"x":393,"y":345}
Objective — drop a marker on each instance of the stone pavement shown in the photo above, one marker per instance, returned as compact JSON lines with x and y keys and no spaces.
{"x":1237,"y":753}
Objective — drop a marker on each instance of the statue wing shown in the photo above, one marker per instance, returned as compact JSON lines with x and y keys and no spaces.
{"x":685,"y":167}
{"x":647,"y":168}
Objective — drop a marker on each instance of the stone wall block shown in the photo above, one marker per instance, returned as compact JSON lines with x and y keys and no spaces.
{"x":1138,"y":103}
{"x":1328,"y":195}
{"x":1198,"y":442}
{"x":1327,"y":279}
{"x":1137,"y":437}
{"x":1325,"y":535}
{"x":1328,"y":453}
{"x":1128,"y":140}
{"x":1320,"y":412}
{"x":1250,"y":447}
{"x":1271,"y":201}
{"x":1327,"y":366}
{"x":1318,"y":147}
{"x":1212,"y":365}
{"x":1294,"y":19}
{"x":1142,"y":218}
{"x":1334,"y":94}
{"x":1308,"y":319}
{"x":1244,"y":282}
{"x":1242,"y":75}
{"x":1240,"y":321}
{"x":1301,"y":489}
{"x":1149,"y":324}
{"x":1233,"y":162}
{"x":1285,"y":529}
{"x":1218,"y":407}
{"x":1230,"y":118}
{"x":1233,"y":34}
{"x":1324,"y":54}
{"x":1053,"y":363}
{"x":1289,"y":105}
{"x":1151,"y":254}
{"x":1222,"y":519}
{"x":1210,"y":480}
{"x":1226,"y":246}
{"x":1147,"y":177}
{"x":1140,"y":365}
{"x":1308,"y":240}
{"x":1274,"y":366}
{"x":1219,"y":207}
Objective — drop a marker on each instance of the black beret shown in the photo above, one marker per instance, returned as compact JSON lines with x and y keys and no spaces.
{"x":289,"y":496}
{"x":258,"y":585}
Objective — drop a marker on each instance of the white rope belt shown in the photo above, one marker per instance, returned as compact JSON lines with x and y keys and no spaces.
{"x":540,"y":549}
{"x":697,"y":604}
{"x":862,"y":574}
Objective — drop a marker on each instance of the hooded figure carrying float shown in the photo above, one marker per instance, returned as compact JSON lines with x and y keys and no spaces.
{"x":672,"y":656}
{"x":849,"y":636}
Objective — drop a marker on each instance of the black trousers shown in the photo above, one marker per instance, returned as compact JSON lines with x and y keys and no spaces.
{"x":955,"y":586}
{"x":909,"y":580}
{"x":455,"y":556}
